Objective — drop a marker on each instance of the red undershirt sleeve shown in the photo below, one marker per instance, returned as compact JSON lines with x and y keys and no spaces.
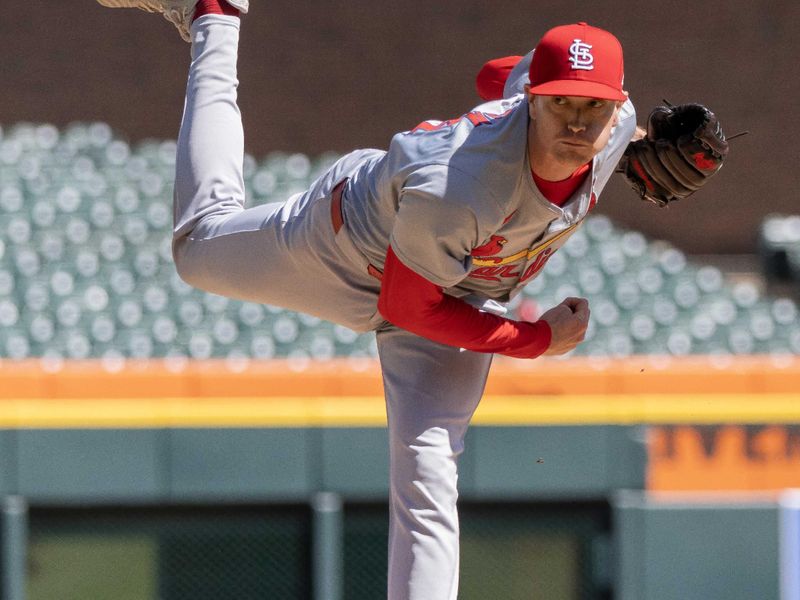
{"x":415,"y":304}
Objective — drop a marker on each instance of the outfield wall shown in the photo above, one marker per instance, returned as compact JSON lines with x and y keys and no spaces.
{"x":553,"y":442}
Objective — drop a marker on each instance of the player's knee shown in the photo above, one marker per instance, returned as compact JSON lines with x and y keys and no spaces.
{"x":186,"y":262}
{"x":427,"y":476}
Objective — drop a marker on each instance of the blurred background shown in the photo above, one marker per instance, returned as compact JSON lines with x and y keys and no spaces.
{"x":160,"y":442}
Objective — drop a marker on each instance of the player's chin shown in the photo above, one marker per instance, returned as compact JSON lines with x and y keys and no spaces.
{"x":575,"y":155}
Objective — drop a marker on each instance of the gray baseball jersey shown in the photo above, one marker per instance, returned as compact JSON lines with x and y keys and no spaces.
{"x":457,"y":201}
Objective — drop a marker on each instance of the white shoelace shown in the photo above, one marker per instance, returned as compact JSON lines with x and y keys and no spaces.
{"x":181,"y":18}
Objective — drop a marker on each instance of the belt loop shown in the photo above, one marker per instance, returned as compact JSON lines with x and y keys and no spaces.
{"x":336,"y":206}
{"x":338,"y":221}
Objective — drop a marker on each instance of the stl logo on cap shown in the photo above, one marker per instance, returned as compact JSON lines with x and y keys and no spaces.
{"x":580,"y":55}
{"x":578,"y":60}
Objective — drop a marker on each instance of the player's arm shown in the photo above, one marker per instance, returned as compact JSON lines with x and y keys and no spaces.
{"x":415,"y":304}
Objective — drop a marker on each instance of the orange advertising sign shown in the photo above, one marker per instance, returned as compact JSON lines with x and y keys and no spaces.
{"x":723,"y":457}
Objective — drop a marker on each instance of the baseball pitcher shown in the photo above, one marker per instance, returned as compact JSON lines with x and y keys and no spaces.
{"x":426,"y":241}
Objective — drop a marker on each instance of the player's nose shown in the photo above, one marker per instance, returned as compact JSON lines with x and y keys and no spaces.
{"x":576,"y":126}
{"x":577,"y":121}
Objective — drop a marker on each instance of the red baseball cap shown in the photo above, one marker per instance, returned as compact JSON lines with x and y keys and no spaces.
{"x":578,"y":60}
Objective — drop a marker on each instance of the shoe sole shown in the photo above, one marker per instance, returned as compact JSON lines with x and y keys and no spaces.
{"x":154,"y":6}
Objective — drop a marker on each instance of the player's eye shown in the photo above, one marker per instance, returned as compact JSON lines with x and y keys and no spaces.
{"x":597,"y":103}
{"x":559,"y":100}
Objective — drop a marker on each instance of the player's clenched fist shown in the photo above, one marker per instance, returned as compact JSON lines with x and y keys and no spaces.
{"x":568,"y":322}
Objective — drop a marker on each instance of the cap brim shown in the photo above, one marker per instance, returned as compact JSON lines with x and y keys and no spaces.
{"x":578,"y":87}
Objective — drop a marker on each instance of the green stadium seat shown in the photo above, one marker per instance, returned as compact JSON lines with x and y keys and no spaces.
{"x":784,"y":311}
{"x":138,"y":343}
{"x":12,"y":199}
{"x":68,"y":313}
{"x":599,"y":228}
{"x":129,"y":313}
{"x":75,"y":344}
{"x":121,"y":280}
{"x":322,"y":346}
{"x":7,"y":281}
{"x":18,"y":230}
{"x":146,"y":264}
{"x":709,"y":279}
{"x":723,"y":310}
{"x":745,"y":294}
{"x":42,"y":328}
{"x":591,"y":280}
{"x":190,"y":313}
{"x":261,"y":346}
{"x":164,"y":330}
{"x":9,"y":313}
{"x":35,"y":295}
{"x":626,"y":292}
{"x":612,"y":259}
{"x":225,"y":331}
{"x":250,"y":314}
{"x":155,"y":299}
{"x":102,"y":329}
{"x":158,"y":216}
{"x":761,"y":325}
{"x":200,"y":345}
{"x":633,"y":244}
{"x":101,"y":215}
{"x":672,"y":261}
{"x":86,"y":263}
{"x":642,"y":327}
{"x":578,"y":246}
{"x":285,"y":329}
{"x":702,"y":327}
{"x":679,"y":343}
{"x":686,"y":294}
{"x":16,"y":345}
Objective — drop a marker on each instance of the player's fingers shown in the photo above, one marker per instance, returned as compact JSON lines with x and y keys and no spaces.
{"x":576,"y":304}
{"x":581,"y":312}
{"x":557,"y":314}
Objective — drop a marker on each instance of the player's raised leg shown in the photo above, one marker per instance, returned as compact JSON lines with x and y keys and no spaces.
{"x":270,"y":253}
{"x":431,"y":392}
{"x":209,"y":182}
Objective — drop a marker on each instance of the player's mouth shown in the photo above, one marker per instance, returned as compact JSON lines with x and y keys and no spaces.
{"x":577,"y":143}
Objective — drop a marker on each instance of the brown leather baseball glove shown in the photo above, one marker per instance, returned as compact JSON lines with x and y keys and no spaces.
{"x":684,"y":146}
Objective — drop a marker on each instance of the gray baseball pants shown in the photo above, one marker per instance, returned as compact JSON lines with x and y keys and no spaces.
{"x":288,"y":254}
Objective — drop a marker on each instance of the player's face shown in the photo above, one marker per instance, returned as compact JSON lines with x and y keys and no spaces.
{"x":567,"y":132}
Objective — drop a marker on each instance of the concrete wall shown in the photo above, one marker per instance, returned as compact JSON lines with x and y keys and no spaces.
{"x":695,"y":548}
{"x":95,"y":467}
{"x":319,"y":76}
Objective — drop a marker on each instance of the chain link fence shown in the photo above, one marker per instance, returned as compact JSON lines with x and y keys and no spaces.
{"x":509,"y":551}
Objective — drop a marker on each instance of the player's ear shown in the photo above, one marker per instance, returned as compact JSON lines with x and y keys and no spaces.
{"x":530,"y":98}
{"x":618,"y":106}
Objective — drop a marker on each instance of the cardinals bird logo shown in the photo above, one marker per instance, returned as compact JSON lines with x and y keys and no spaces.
{"x":491,"y":248}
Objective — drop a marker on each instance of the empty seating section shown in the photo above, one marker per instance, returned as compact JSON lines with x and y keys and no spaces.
{"x":86,"y":270}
